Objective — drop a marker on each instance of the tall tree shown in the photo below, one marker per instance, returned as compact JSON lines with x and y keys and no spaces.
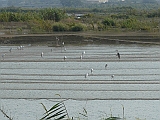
{"x":52,"y":14}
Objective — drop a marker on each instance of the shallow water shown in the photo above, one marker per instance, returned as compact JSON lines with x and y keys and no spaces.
{"x":28,"y":79}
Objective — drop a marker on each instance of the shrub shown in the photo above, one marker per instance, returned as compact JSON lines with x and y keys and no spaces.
{"x":60,"y":27}
{"x":77,"y":27}
{"x":108,"y":23}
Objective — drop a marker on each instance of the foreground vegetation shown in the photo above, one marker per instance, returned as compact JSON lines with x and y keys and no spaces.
{"x":55,"y":20}
{"x":59,"y":112}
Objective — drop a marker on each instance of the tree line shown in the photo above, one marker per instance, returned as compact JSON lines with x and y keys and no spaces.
{"x":54,"y":19}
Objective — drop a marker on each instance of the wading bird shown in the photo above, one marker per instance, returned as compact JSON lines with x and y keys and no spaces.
{"x":83,"y":53}
{"x":21,"y":47}
{"x":65,"y":58}
{"x":42,"y":54}
{"x":86,"y":75}
{"x":112,"y":76}
{"x":106,"y":66}
{"x":18,"y":48}
{"x":91,"y":70}
{"x":63,"y":44}
{"x":81,"y":57}
{"x":118,"y":54}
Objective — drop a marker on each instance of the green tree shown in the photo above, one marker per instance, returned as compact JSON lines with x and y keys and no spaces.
{"x":131,"y":23}
{"x":4,"y":17}
{"x":108,"y":22}
{"x":52,"y":14}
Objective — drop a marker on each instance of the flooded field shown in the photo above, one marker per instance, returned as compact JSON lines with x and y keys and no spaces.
{"x":80,"y":75}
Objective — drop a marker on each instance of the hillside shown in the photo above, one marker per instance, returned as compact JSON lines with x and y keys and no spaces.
{"x":77,"y":3}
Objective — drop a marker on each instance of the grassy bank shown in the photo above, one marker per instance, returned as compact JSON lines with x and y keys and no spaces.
{"x":82,"y":38}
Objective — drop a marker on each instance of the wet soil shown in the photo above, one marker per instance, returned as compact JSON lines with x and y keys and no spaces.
{"x":81,"y":38}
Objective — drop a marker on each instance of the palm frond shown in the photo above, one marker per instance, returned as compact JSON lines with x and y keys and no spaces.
{"x":57,"y":112}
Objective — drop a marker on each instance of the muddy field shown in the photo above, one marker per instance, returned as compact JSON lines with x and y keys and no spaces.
{"x":29,"y":78}
{"x":82,"y":38}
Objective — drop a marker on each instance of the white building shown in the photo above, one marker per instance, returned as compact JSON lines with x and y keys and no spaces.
{"x":97,"y":1}
{"x":103,"y":1}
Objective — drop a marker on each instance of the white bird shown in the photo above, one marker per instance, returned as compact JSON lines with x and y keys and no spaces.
{"x":106,"y":66}
{"x":18,"y":48}
{"x":91,"y":70}
{"x":86,"y":75}
{"x":112,"y":76}
{"x":65,"y":58}
{"x":42,"y":54}
{"x":83,"y":53}
{"x":21,"y":47}
{"x":57,"y":38}
{"x":81,"y":57}
{"x":63,"y":44}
